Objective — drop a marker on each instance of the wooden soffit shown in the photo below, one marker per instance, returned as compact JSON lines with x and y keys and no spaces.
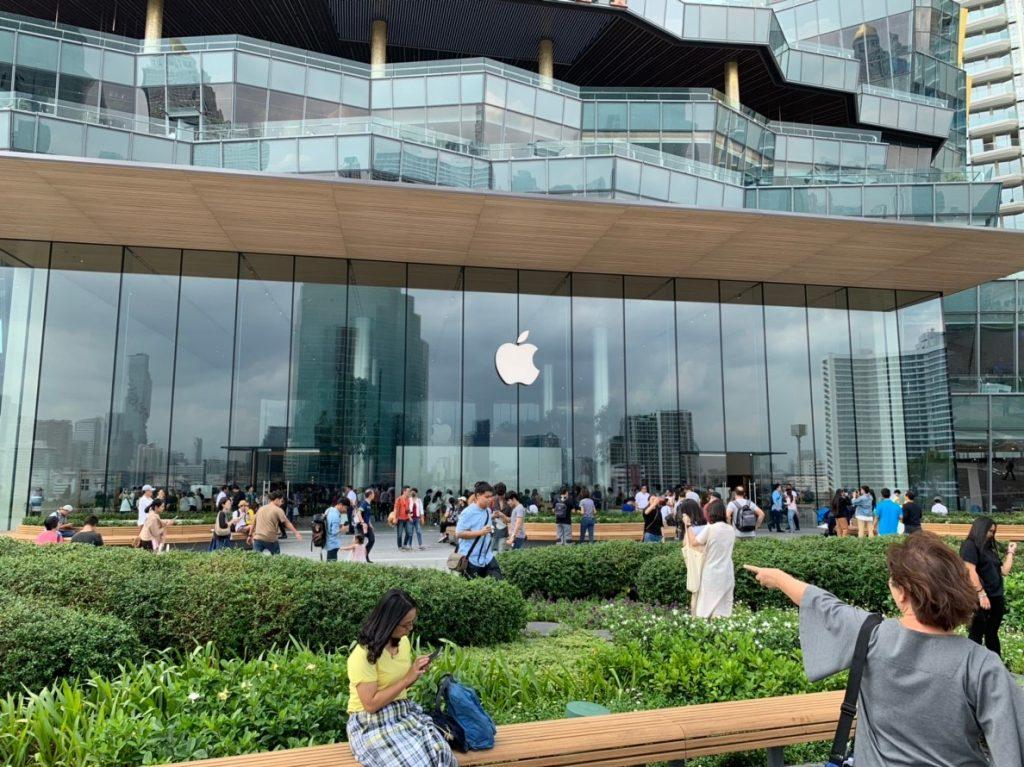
{"x":97,"y":201}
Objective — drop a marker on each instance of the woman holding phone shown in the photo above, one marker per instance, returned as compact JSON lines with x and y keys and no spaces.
{"x":987,"y":571}
{"x":385,"y":728}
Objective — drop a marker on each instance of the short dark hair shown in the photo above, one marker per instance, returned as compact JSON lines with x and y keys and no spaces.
{"x":885,"y":492}
{"x":500,"y":488}
{"x":716,"y":511}
{"x":156,"y":504}
{"x":482,"y":487}
{"x":344,"y":501}
{"x":512,"y":496}
{"x":934,"y":579}
{"x":277,"y":494}
{"x":910,"y":495}
{"x":92,"y":519}
{"x":50,"y":523}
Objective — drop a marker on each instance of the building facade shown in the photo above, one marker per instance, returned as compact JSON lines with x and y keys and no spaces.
{"x":303,"y":357}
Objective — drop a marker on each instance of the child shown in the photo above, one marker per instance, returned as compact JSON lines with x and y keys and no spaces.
{"x":357,"y":550}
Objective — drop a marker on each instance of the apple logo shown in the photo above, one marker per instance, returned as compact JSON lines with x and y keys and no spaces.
{"x":515,"y":361}
{"x":440,"y":433}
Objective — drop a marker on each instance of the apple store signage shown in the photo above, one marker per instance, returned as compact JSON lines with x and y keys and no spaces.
{"x":514,"y":362}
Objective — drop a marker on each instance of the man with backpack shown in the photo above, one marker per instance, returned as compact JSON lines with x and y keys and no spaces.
{"x":563,"y":519}
{"x":332,"y":527}
{"x":743,"y":514}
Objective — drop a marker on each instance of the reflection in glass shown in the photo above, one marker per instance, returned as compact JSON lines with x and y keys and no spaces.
{"x":789,"y":389}
{"x":374,"y":385}
{"x":659,"y":436}
{"x":598,"y":365}
{"x":743,"y":364}
{"x":545,"y":409}
{"x":490,"y":403}
{"x":317,"y":391}
{"x":143,"y":369}
{"x":69,"y":457}
{"x":22,"y":301}
{"x":698,"y":330}
{"x":202,"y":369}
{"x":432,"y":445}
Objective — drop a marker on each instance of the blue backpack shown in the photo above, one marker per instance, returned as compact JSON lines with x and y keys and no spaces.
{"x":461,"y":718}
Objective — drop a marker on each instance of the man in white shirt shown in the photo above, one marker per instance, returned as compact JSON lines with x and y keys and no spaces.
{"x":642,"y":498}
{"x":692,"y":495}
{"x":351,"y":495}
{"x":738,"y":515}
{"x":145,"y":501}
{"x":938,"y":507}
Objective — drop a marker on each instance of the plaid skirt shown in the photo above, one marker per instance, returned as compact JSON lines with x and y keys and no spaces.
{"x":399,"y":735}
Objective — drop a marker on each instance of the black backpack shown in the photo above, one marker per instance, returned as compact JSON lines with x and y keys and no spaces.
{"x":562,"y":514}
{"x":746,"y":518}
{"x":319,"y":536}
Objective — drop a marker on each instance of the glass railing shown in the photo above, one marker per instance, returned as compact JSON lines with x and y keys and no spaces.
{"x":916,"y":98}
{"x":69,"y":33}
{"x":817,"y":131}
{"x":90,"y":115}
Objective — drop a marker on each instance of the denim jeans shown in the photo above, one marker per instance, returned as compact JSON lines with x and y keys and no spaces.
{"x":587,"y":529}
{"x":332,"y":555}
{"x":371,"y":538}
{"x":652,"y":538}
{"x":403,"y":533}
{"x":500,"y":539}
{"x":794,"y":519}
{"x":414,"y":527}
{"x":563,"y":533}
{"x":775,"y":517}
{"x":260,"y":546}
{"x":217,"y":542}
{"x":519,"y":543}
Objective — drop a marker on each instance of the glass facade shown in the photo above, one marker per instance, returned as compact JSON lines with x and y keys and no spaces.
{"x":208,"y":367}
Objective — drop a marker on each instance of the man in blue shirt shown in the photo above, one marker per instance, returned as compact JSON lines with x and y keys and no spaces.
{"x":775,"y":520}
{"x":332,"y":523}
{"x":889,"y":514}
{"x":473,"y":532}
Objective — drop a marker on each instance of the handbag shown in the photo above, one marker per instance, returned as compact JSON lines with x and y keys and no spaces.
{"x":221,"y":531}
{"x":848,"y":710}
{"x":459,"y":563}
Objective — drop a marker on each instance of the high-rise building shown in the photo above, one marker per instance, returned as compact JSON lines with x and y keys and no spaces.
{"x":993,"y":56}
{"x":289,"y":247}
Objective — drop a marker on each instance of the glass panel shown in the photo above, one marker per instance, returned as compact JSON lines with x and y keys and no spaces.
{"x":279,"y":156}
{"x":353,"y":155}
{"x":659,"y":438}
{"x":545,"y":409}
{"x":259,"y":405}
{"x":59,"y":137}
{"x":316,"y":155}
{"x":1007,"y":438}
{"x":284,"y":106}
{"x":443,"y":90}
{"x":22,"y":302}
{"x":250,"y":105}
{"x":202,"y":369}
{"x":35,"y":73}
{"x":698,"y":334}
{"x":143,"y":369}
{"x":409,"y":92}
{"x":356,"y":91}
{"x":743,"y":361}
{"x":252,"y":70}
{"x":789,"y":390}
{"x":217,"y":68}
{"x":375,"y":390}
{"x":290,"y":78}
{"x":69,"y":458}
{"x":490,"y":390}
{"x":598,"y":366}
{"x":431,"y":452}
{"x":316,"y":399}
{"x":929,"y":427}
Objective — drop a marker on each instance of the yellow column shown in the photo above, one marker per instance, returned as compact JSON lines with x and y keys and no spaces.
{"x":732,"y":83}
{"x":154,"y":23}
{"x":546,"y":61}
{"x":378,"y":47}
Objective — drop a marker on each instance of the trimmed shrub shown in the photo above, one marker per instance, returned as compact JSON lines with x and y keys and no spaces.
{"x":245,"y":603}
{"x":127,"y":519}
{"x":662,"y":581}
{"x":41,"y":642}
{"x":574,"y":572}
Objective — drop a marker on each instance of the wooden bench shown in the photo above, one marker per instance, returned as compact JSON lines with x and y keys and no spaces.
{"x":618,"y":740}
{"x":960,"y":530}
{"x":124,"y":536}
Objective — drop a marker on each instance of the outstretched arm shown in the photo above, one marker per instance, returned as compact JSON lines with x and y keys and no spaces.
{"x":771,"y":578}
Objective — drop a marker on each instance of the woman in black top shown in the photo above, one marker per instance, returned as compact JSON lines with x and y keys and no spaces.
{"x":981,"y":555}
{"x":652,"y":521}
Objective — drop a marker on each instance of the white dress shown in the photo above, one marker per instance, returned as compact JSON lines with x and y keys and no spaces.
{"x":717,"y":579}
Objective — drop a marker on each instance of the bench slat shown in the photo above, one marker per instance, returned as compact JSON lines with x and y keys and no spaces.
{"x":125,"y":536}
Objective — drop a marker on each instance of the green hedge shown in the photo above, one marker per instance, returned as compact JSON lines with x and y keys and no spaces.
{"x":662,"y":581}
{"x":41,"y":642}
{"x":245,"y":603}
{"x":126,"y":520}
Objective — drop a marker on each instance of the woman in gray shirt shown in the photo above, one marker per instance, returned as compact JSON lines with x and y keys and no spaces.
{"x":928,"y":696}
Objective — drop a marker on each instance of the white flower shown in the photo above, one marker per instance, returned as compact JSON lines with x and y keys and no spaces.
{"x":194,"y":696}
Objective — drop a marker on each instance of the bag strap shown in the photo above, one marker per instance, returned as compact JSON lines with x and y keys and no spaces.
{"x":848,"y":710}
{"x":478,"y":538}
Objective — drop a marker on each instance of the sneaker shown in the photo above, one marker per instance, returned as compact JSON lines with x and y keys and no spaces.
{"x":423,"y":548}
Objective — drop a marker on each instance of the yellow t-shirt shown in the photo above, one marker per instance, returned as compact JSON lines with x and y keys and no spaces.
{"x":385,"y":672}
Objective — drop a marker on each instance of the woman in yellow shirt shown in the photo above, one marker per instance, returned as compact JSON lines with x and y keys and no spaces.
{"x":385,"y":728}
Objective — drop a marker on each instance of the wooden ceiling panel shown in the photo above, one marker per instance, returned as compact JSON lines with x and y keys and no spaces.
{"x":103,"y":202}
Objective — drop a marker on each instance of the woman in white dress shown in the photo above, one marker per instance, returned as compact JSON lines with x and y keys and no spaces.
{"x":717,"y":578}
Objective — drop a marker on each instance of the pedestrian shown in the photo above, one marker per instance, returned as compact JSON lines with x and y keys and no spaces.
{"x":126,"y":501}
{"x":332,"y":527}
{"x":517,"y":525}
{"x":401,"y":519}
{"x":897,"y":497}
{"x":50,"y":533}
{"x":927,"y":696}
{"x":416,"y":514}
{"x":223,"y":526}
{"x":888,"y":514}
{"x":474,"y":531}
{"x":357,"y":549}
{"x":88,"y":534}
{"x":152,"y":536}
{"x":842,"y":511}
{"x":864,"y":512}
{"x":64,"y":524}
{"x":499,"y":516}
{"x":642,"y":499}
{"x":775,"y":514}
{"x":143,"y":504}
{"x":363,"y":520}
{"x":981,"y":556}
{"x":653,"y":520}
{"x":938,"y":507}
{"x":269,"y":518}
{"x":743,"y":514}
{"x":245,"y":517}
{"x":385,"y":728}
{"x":563,"y":519}
{"x":913,"y":514}
{"x":792,"y":509}
{"x":220,"y":496}
{"x":717,"y":577}
{"x":588,"y":517}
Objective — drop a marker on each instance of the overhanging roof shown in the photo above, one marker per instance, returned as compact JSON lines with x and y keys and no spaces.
{"x":103,"y":202}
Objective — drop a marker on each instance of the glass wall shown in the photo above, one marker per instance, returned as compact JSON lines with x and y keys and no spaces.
{"x":210,"y":367}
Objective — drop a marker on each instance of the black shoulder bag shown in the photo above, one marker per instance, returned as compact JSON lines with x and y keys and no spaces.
{"x":848,"y":710}
{"x":459,"y":563}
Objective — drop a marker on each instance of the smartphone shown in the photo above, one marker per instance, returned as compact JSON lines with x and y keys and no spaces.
{"x":433,"y":655}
